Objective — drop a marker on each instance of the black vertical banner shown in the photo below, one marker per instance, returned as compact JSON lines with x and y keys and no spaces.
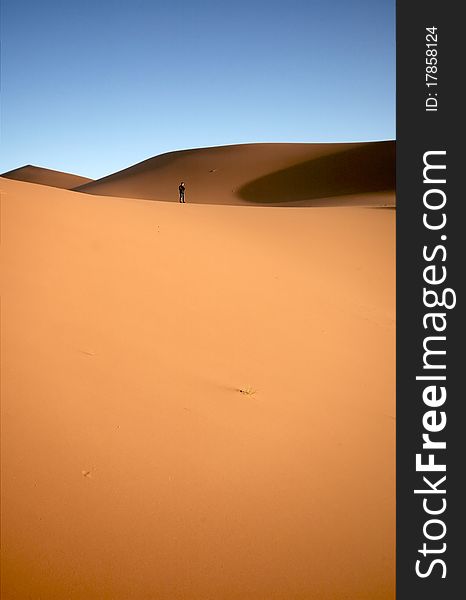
{"x":431,"y":230}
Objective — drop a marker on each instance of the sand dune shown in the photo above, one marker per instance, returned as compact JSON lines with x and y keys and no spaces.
{"x":134,"y":469}
{"x":58,"y":179}
{"x":282,"y":174}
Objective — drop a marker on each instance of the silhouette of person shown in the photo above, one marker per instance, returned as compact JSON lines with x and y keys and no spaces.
{"x":181,"y":189}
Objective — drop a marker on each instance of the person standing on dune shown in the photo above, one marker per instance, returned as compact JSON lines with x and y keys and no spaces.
{"x":181,"y":189}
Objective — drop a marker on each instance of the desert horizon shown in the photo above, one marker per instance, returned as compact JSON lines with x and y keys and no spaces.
{"x":280,"y":174}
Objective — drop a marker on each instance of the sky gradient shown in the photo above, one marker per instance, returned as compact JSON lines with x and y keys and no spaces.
{"x":92,"y":87}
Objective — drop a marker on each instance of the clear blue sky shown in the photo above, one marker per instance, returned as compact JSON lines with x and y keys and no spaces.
{"x":93,"y":86}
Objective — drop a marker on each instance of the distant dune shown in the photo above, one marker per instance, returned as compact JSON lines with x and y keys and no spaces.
{"x":57,"y":179}
{"x":360,"y":174}
{"x":134,"y":468}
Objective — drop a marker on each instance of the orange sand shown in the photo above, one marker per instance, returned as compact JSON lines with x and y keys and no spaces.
{"x":133,"y":468}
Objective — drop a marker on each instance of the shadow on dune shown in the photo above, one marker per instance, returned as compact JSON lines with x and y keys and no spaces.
{"x":365,"y":169}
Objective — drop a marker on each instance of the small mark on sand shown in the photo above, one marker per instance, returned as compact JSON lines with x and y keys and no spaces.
{"x":86,"y":474}
{"x":87,"y":352}
{"x":248,"y":391}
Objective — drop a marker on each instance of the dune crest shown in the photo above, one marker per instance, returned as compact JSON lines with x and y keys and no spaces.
{"x":343,"y":174}
{"x":43,"y":176}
